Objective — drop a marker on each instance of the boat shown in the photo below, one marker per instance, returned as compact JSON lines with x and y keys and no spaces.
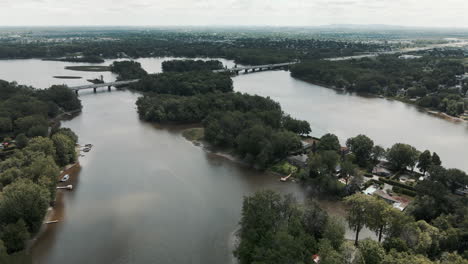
{"x":87,"y":149}
{"x":65,"y":178}
{"x":284,"y":179}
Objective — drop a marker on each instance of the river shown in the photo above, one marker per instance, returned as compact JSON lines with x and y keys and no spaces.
{"x":146,"y":195}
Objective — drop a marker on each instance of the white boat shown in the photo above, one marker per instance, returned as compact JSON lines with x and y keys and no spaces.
{"x":65,"y":178}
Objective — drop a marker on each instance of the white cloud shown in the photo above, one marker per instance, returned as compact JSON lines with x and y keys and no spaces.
{"x":234,"y":12}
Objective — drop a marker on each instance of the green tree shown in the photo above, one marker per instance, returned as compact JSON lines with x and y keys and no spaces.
{"x":436,"y":160}
{"x":24,"y":200}
{"x":379,"y":216}
{"x":41,"y":144}
{"x":425,"y":161}
{"x":21,"y":140}
{"x":5,"y":125}
{"x":329,"y":142}
{"x":15,"y":236}
{"x":378,"y":152}
{"x":402,"y":156}
{"x":334,"y":232}
{"x":358,"y":212}
{"x":362,"y":147}
{"x":370,"y":252}
{"x":65,"y":149}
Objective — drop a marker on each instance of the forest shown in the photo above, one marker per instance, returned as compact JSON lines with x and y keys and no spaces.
{"x":278,"y":229}
{"x":254,"y":49}
{"x":253,"y":126}
{"x":429,"y":81}
{"x":32,"y":154}
{"x":191,"y":65}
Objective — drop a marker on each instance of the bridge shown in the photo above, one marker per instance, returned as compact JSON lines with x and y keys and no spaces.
{"x":235,"y":70}
{"x":97,"y":85}
{"x":254,"y":68}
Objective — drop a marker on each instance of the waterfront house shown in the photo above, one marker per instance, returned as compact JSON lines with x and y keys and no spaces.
{"x":381,"y":171}
{"x":298,"y":160}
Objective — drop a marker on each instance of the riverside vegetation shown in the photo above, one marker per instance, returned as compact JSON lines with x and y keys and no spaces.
{"x":32,"y":155}
{"x":429,"y":81}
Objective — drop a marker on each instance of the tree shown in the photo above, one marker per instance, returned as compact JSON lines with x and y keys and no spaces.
{"x":315,"y":219}
{"x":5,"y":125}
{"x":15,"y":235}
{"x":370,"y":252}
{"x":402,"y":156}
{"x":362,"y":147}
{"x":404,"y":257}
{"x":436,"y":160}
{"x":65,"y":149}
{"x":378,"y":152}
{"x":379,"y":216}
{"x":329,"y":142}
{"x":21,"y":140}
{"x":330,"y":159}
{"x":272,"y":231}
{"x":358,"y":212}
{"x":334,"y":232}
{"x":41,"y":144}
{"x":425,"y":161}
{"x":24,"y":200}
{"x":348,"y":169}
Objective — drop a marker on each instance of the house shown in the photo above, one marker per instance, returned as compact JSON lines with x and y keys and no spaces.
{"x":298,"y":160}
{"x":381,"y":171}
{"x":463,"y":191}
{"x":397,"y":202}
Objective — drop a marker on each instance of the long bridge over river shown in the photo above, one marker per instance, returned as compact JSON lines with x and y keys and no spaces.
{"x":234,"y":70}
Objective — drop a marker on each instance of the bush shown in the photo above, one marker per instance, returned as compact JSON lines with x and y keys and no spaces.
{"x":404,"y":191}
{"x":396,"y":183}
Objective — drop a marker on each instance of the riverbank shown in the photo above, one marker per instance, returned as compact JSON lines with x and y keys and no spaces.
{"x":431,"y":112}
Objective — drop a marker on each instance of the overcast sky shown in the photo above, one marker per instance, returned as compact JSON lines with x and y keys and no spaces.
{"x":431,"y":13}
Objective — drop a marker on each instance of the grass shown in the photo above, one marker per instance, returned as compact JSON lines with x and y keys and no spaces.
{"x":89,"y":68}
{"x":68,"y":77}
{"x":284,"y":168}
{"x":194,"y":134}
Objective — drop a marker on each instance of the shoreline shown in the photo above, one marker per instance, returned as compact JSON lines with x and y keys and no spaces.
{"x":53,"y":211}
{"x":438,"y":114}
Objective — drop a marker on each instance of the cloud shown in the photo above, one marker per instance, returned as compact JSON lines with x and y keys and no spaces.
{"x":233,"y":12}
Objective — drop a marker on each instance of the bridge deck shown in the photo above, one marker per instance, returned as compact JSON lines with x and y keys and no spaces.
{"x":234,"y":69}
{"x":91,"y":86}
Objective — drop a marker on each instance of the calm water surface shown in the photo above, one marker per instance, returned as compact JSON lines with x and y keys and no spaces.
{"x":146,"y":195}
{"x":385,"y":121}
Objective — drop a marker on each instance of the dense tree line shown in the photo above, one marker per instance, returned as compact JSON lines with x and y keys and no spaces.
{"x":246,"y":50}
{"x":253,"y":126}
{"x":31,"y":162}
{"x":191,"y":65}
{"x":128,"y":70}
{"x":24,"y":110}
{"x":428,"y":78}
{"x":276,"y":229}
{"x":186,"y":83}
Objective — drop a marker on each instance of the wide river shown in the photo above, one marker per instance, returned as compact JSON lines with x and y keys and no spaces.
{"x":146,"y":195}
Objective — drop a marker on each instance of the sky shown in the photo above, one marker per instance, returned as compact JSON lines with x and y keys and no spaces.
{"x":427,"y":13}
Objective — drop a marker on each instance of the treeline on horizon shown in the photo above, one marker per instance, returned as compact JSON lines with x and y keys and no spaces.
{"x":430,"y":79}
{"x":33,"y":151}
{"x":244,"y":50}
